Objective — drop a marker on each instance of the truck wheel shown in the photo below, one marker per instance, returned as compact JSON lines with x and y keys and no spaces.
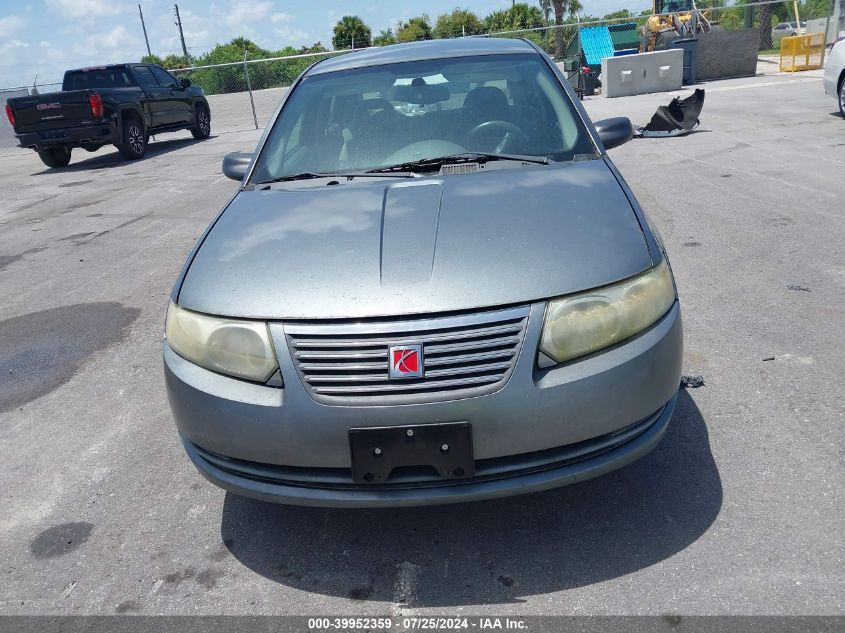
{"x":202,"y":127}
{"x":55,"y":156}
{"x":134,"y":140}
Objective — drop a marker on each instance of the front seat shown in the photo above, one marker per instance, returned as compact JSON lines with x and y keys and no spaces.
{"x":486,"y":103}
{"x":373,"y":134}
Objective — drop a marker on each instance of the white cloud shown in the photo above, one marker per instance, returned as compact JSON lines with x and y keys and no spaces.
{"x":11,"y":25}
{"x":86,"y":8}
{"x":292,"y":37}
{"x":281,"y":17}
{"x":117,"y":38}
{"x":242,"y":12}
{"x":195,"y":41}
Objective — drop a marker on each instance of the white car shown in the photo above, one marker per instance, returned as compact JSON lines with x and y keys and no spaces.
{"x":834,"y":73}
{"x":788,"y":29}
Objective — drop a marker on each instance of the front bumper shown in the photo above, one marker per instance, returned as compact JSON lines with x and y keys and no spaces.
{"x":492,"y":480}
{"x":544,"y":428}
{"x":102,"y":134}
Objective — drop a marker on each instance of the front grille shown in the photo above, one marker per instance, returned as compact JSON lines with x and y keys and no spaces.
{"x":463,"y":356}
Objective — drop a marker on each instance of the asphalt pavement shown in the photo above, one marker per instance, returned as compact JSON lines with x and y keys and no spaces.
{"x":738,"y":511}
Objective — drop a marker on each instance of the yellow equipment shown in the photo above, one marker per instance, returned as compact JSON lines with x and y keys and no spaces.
{"x":671,"y":20}
{"x":801,"y":52}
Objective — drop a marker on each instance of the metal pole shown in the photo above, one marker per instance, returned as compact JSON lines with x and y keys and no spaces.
{"x":580,"y":65}
{"x":181,"y":35}
{"x":249,"y":89}
{"x":353,"y":42}
{"x":826,"y":28}
{"x":144,"y":26}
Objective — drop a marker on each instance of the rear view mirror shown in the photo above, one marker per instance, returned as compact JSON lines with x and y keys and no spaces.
{"x":186,"y":83}
{"x":422,"y":93}
{"x":615,"y":131}
{"x":235,"y":165}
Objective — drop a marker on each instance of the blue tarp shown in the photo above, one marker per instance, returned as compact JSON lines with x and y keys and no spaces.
{"x":596,"y":44}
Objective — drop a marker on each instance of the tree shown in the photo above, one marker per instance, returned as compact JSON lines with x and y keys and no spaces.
{"x":151,"y":59}
{"x":622,"y":13}
{"x":415,"y":29}
{"x":173,"y":62}
{"x":546,"y":8}
{"x":766,"y":27}
{"x":316,"y":47}
{"x":518,"y":17}
{"x":229,"y":78}
{"x":234,"y":52}
{"x":459,"y":22}
{"x":563,"y":7}
{"x":350,"y":31}
{"x":385,"y":37}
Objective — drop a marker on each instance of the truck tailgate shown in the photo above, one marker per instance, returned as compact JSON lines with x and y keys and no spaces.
{"x":51,"y":111}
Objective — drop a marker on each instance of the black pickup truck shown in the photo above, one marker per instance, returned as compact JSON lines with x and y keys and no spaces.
{"x":120,"y":105}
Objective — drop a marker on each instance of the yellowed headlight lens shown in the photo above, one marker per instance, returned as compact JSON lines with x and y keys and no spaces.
{"x":239,"y":348}
{"x":589,"y":321}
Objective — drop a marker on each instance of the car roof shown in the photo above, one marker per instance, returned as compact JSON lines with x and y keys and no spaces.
{"x":417,"y":51}
{"x":103,"y":67}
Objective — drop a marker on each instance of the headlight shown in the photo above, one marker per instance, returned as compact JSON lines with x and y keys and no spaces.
{"x":229,"y":346}
{"x":589,"y":321}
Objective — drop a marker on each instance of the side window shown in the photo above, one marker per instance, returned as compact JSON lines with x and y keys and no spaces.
{"x":145,"y":77}
{"x":122,"y":78}
{"x":164,"y":78}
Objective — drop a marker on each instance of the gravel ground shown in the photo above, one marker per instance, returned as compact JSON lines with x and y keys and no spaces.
{"x":738,"y":511}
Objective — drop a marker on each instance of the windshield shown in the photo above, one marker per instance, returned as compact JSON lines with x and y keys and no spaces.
{"x":370,"y":118}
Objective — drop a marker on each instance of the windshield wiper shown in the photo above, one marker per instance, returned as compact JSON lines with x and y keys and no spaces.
{"x":465,"y":157}
{"x":308,"y":175}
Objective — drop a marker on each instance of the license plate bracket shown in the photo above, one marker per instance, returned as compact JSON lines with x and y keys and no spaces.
{"x":377,"y":451}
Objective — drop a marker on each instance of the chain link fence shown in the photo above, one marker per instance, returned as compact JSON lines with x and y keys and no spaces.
{"x":774,"y":19}
{"x":733,"y":40}
{"x":243,"y":95}
{"x":7,"y":134}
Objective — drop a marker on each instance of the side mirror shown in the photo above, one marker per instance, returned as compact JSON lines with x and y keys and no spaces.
{"x":615,"y":131}
{"x":186,"y":83}
{"x":236,"y":164}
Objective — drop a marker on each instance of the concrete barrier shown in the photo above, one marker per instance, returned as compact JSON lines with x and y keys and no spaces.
{"x":642,"y":73}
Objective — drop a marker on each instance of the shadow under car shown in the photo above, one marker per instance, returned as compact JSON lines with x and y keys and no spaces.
{"x":497,"y":551}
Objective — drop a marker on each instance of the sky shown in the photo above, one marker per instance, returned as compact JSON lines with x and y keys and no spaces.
{"x":45,"y":37}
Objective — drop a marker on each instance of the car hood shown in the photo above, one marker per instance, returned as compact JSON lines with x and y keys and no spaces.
{"x":413,"y":246}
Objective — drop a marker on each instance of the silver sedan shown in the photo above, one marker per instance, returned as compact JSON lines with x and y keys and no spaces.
{"x":432,"y":286}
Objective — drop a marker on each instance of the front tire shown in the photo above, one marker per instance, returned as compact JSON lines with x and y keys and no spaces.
{"x":134,"y":140}
{"x":202,"y":127}
{"x":842,"y":95}
{"x":55,"y":156}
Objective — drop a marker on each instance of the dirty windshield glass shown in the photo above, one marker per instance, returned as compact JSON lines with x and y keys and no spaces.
{"x":392,"y":114}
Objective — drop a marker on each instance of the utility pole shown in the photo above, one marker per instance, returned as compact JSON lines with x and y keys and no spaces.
{"x":144,"y":26}
{"x":181,"y":35}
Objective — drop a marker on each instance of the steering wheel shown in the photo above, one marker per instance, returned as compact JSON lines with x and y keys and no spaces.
{"x":495,"y":136}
